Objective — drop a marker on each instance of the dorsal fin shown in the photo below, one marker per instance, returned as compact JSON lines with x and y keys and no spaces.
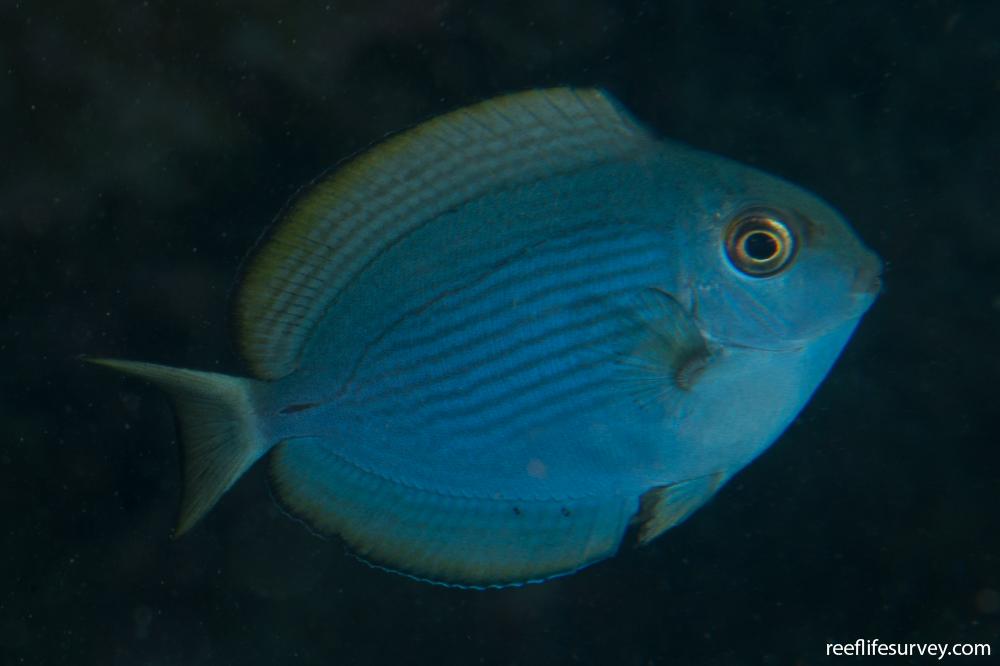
{"x":344,"y":222}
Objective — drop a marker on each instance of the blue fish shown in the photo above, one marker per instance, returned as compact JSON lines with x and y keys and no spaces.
{"x":491,"y":349}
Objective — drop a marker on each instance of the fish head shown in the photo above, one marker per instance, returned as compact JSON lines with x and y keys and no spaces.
{"x":772,"y":266}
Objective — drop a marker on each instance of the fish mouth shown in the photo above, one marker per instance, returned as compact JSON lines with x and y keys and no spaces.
{"x":867,"y":279}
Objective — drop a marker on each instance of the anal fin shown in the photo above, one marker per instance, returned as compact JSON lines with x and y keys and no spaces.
{"x":449,"y":539}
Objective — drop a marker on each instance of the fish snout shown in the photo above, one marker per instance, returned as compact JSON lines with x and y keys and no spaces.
{"x":867,"y":279}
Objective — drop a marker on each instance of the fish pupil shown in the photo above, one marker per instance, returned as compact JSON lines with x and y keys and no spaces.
{"x":760,"y":246}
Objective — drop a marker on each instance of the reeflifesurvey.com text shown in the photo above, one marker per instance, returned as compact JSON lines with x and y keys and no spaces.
{"x":871,"y":647}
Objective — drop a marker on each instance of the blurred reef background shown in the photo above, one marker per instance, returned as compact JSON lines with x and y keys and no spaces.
{"x":144,"y":146}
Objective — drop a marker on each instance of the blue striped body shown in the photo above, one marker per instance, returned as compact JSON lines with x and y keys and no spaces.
{"x":487,"y":350}
{"x":479,"y":372}
{"x":484,"y":364}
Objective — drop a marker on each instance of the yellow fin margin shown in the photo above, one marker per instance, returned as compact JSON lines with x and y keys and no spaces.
{"x":341,"y":224}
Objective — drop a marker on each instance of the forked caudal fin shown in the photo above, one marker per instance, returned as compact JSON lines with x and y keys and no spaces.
{"x":220,"y":439}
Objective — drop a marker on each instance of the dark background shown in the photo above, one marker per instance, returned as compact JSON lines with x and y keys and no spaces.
{"x":144,"y":146}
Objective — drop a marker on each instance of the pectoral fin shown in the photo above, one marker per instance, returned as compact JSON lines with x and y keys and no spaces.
{"x":669,"y":353}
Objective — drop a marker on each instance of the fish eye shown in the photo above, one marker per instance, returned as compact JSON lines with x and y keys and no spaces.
{"x":759,"y":243}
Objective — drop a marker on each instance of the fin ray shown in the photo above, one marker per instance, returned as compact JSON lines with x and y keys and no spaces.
{"x":454,"y":540}
{"x":667,"y":506}
{"x":219,"y":432}
{"x":669,"y":356}
{"x":339,"y":226}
